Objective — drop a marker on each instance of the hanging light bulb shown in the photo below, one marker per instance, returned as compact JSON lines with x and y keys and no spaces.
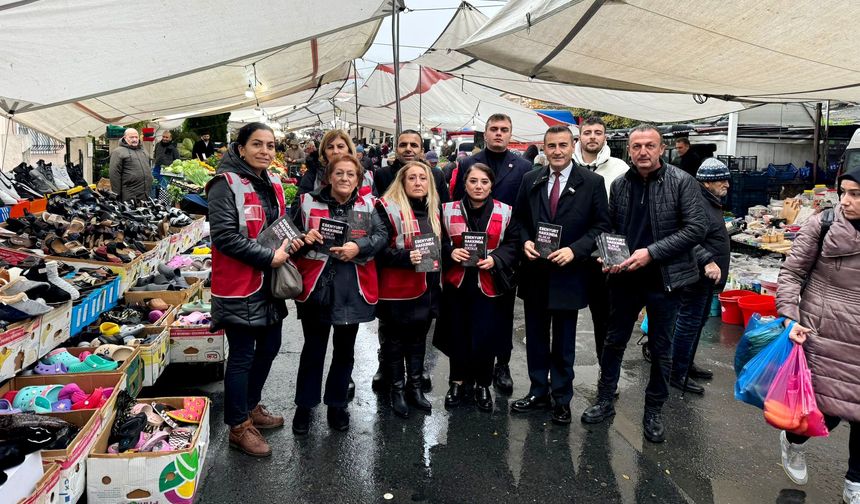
{"x":249,"y":93}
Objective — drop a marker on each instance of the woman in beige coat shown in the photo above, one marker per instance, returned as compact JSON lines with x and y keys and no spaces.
{"x":827,"y":312}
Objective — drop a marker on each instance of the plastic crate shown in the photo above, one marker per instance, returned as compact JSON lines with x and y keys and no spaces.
{"x":740,"y":163}
{"x":741,"y":202}
{"x":782,"y":172}
{"x":748,"y":181}
{"x":88,"y":309}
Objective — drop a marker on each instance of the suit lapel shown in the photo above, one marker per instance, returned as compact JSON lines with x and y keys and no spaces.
{"x":506,"y":168}
{"x":566,"y":198}
{"x":542,"y":199}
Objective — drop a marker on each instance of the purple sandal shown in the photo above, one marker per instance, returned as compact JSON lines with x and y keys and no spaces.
{"x":50,"y":369}
{"x":6,"y":408}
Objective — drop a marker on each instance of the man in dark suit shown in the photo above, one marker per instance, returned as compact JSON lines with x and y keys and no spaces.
{"x":203,"y":148}
{"x":555,"y":288}
{"x":509,"y":169}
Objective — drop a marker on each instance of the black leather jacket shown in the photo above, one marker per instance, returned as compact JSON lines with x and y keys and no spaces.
{"x":261,"y":308}
{"x":678,"y":221}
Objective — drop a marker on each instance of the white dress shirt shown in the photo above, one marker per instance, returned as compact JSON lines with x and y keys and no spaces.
{"x":561,"y":180}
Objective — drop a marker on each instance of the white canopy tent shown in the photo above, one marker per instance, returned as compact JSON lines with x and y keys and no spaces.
{"x":136,"y":76}
{"x":770,"y":50}
{"x":656,"y":107}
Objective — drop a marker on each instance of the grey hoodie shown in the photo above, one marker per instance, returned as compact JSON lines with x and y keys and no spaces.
{"x":605,"y":165}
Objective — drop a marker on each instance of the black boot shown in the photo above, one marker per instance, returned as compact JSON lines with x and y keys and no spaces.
{"x":415,"y":370}
{"x":393,"y":352}
{"x":378,"y":382}
{"x":398,"y":399}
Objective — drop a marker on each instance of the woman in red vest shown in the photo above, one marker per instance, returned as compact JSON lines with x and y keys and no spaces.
{"x":340,"y":287}
{"x":408,"y":300}
{"x":244,"y":198}
{"x":468,"y":330}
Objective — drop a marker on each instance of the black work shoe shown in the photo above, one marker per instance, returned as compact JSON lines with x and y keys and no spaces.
{"x":692,"y":386}
{"x":483,"y":398}
{"x":531,"y":403}
{"x":338,"y":418}
{"x":600,"y":411}
{"x":454,"y":396}
{"x":502,"y":380}
{"x":426,"y":382}
{"x":699,"y":373}
{"x":378,"y":381}
{"x":350,"y":390}
{"x":652,"y":426}
{"x":561,"y":414}
{"x":301,"y":421}
{"x":398,"y":401}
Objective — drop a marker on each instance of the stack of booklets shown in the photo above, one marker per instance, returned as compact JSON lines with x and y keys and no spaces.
{"x":282,"y":229}
{"x":612,"y":249}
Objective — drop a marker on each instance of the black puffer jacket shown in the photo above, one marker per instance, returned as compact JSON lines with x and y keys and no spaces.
{"x":678,"y":220}
{"x":261,"y":308}
{"x":716,"y":247}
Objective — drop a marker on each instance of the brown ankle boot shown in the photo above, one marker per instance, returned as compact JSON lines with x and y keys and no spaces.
{"x":262,"y":419}
{"x":246,"y":438}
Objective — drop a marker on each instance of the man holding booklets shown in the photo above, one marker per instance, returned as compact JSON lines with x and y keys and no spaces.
{"x":560,"y":210}
{"x":658,"y":208}
{"x":508,"y":171}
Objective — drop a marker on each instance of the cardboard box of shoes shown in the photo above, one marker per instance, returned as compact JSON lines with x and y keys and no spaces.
{"x":77,"y":388}
{"x":72,"y":461}
{"x":55,"y":328}
{"x":15,"y":343}
{"x":30,"y":348}
{"x":131,"y":366}
{"x":155,"y":357}
{"x":167,"y":475}
{"x":174,"y":297}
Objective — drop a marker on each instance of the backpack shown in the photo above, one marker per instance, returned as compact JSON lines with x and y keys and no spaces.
{"x":826,"y":221}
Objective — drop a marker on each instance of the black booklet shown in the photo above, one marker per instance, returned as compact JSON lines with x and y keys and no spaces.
{"x":431,"y":253}
{"x":547,"y":238}
{"x":612,"y":249}
{"x":334,"y":233}
{"x":280,"y":230}
{"x":475,"y":243}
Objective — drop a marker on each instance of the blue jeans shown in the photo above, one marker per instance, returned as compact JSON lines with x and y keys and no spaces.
{"x":692,"y":315}
{"x":252,"y":351}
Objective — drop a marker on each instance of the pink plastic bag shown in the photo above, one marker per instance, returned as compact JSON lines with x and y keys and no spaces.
{"x":790,"y":403}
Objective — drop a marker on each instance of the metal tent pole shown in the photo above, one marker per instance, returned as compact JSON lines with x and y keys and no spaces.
{"x":355,"y":82}
{"x":815,"y":138}
{"x":395,"y":48}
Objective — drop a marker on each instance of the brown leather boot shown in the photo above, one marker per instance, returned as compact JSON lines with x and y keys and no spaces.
{"x":262,"y":419}
{"x":246,"y":438}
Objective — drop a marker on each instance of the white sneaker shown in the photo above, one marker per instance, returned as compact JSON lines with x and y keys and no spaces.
{"x":851,"y":493}
{"x":793,"y":460}
{"x":60,"y":177}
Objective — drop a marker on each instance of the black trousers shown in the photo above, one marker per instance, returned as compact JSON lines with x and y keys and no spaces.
{"x":853,"y":473}
{"x":403,"y":347}
{"x":252,"y":352}
{"x":550,"y":358}
{"x":627,"y":298}
{"x":309,"y":379}
{"x":598,"y":304}
{"x":477,"y":369}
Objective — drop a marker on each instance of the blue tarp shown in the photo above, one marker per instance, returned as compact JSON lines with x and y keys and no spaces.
{"x":559,"y":115}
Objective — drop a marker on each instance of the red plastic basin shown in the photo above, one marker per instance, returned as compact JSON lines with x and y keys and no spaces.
{"x":731,"y":313}
{"x":761,"y":304}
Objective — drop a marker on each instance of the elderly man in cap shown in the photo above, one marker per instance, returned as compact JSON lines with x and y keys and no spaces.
{"x":294,"y":155}
{"x":130,"y":174}
{"x":362,"y":156}
{"x":713,"y":257}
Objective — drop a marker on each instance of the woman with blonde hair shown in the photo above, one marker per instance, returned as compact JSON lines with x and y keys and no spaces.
{"x":334,"y":143}
{"x":408,"y":299}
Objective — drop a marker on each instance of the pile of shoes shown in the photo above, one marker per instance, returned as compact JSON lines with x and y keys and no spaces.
{"x":28,"y":289}
{"x":110,"y":333}
{"x":165,"y":279}
{"x":52,"y":399}
{"x":194,"y":314}
{"x":25,"y":433}
{"x":103,"y":359}
{"x":45,"y":178}
{"x":149,"y":313}
{"x":155,"y":427}
{"x":86,"y":280}
{"x":87,"y":224}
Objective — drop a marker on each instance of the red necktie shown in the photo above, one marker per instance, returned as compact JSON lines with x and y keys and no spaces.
{"x":553,"y":194}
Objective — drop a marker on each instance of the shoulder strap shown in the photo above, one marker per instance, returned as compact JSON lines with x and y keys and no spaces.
{"x":826,"y":222}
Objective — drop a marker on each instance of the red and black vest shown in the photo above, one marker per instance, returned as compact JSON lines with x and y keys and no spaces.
{"x":232,"y":278}
{"x":455,"y":223}
{"x":313,"y":263}
{"x":398,"y":284}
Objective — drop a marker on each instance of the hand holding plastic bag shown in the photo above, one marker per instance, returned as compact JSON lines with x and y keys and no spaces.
{"x":790,"y":403}
{"x":755,"y":378}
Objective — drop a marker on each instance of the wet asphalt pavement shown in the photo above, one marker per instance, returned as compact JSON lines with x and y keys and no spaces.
{"x":717,"y":450}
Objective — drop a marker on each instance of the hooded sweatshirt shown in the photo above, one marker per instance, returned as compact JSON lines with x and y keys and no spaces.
{"x":605,"y":165}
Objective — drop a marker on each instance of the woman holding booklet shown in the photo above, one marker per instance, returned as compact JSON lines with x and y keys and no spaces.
{"x":343,"y":233}
{"x":409,"y":281}
{"x":480,"y":253}
{"x":245,"y":199}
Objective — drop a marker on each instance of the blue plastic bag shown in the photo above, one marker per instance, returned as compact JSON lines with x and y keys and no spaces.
{"x":755,"y":378}
{"x":644,"y":325}
{"x":756,"y":337}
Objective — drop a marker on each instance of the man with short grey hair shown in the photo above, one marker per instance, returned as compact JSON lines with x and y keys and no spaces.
{"x":130,"y":176}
